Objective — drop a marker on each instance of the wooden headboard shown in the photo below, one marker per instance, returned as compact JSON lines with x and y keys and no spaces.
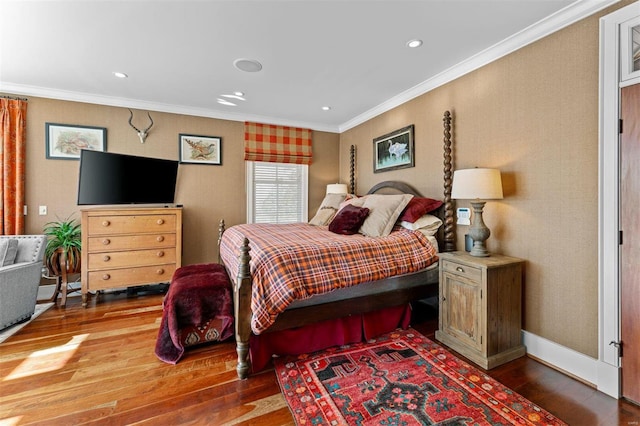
{"x":446,"y":234}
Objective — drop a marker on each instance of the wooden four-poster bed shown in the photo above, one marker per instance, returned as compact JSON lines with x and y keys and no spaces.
{"x":360,"y":299}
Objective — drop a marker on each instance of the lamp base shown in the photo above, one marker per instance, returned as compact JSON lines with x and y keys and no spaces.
{"x":478,"y":231}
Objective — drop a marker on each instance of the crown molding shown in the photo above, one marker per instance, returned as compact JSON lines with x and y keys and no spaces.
{"x":90,"y":98}
{"x":555,"y":22}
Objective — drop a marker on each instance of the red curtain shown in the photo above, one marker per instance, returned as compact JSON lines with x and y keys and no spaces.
{"x":13,"y":119}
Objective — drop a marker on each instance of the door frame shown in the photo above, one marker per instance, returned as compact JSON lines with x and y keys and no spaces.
{"x":609,"y":200}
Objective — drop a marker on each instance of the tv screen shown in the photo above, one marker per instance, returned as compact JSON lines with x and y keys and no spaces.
{"x":110,"y":178}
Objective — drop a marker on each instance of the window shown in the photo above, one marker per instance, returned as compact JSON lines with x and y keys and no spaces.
{"x":276,"y":192}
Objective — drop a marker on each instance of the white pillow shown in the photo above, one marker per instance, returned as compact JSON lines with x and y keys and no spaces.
{"x":327,"y":209}
{"x":384,"y":211}
{"x":427,"y":224}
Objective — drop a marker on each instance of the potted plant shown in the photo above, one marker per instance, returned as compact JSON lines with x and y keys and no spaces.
{"x":64,"y":246}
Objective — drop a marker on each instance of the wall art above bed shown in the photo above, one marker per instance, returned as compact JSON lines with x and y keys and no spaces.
{"x":394,"y":150}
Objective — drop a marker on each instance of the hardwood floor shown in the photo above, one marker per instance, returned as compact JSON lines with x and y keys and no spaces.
{"x":97,"y":366}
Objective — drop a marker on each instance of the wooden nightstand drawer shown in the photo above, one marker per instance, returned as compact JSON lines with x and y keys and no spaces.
{"x":466,"y":271}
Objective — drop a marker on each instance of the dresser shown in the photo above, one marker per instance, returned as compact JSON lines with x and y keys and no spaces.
{"x":481,"y":307}
{"x":127,"y":247}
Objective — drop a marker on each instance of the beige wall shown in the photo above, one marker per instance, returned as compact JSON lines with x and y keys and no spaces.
{"x":534,"y":115}
{"x":208,"y":193}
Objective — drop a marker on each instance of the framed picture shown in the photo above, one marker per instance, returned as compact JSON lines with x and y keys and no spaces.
{"x":65,"y":141}
{"x":196,"y":149}
{"x":394,"y":150}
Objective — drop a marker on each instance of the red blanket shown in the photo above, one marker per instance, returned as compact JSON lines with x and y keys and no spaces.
{"x":198,"y":308}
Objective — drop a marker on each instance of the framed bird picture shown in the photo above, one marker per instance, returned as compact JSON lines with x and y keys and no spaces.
{"x":196,"y":149}
{"x":394,"y":150}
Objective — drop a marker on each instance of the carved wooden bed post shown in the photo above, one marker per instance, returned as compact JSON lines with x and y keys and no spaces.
{"x":242,"y":306}
{"x":449,"y":226}
{"x":352,"y":170}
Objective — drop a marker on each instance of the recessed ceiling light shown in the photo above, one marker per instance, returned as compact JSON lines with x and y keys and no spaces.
{"x":414,"y":43}
{"x":238,"y":97}
{"x":120,"y":74}
{"x":225,"y":102}
{"x":238,"y":93}
{"x":247,"y":65}
{"x":326,"y":108}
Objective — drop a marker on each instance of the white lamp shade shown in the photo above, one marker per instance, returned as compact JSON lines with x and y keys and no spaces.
{"x":481,"y":184}
{"x":337,"y":188}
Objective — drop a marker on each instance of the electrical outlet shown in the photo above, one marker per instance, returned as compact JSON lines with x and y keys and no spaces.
{"x":42,"y":210}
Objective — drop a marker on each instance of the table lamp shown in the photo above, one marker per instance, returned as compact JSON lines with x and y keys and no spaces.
{"x":337,"y":188}
{"x":477,"y":185}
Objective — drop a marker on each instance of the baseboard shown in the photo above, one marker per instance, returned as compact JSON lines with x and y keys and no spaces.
{"x":580,"y":366}
{"x":600,"y":375}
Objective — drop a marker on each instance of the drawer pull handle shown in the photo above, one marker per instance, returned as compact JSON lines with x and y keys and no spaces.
{"x":459,"y":269}
{"x":160,"y":271}
{"x":106,"y":277}
{"x":160,"y":239}
{"x":106,"y":223}
{"x":160,"y":253}
{"x":106,"y":241}
{"x":160,"y":221}
{"x":106,"y":258}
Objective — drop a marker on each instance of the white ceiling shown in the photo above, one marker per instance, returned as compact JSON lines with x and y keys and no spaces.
{"x":350,"y":55}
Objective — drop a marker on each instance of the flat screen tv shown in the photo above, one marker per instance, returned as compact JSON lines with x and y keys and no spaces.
{"x":110,"y":178}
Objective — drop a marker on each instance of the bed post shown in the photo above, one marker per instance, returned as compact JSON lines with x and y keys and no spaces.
{"x":242,"y":307}
{"x":352,"y":170}
{"x":221,"y":228}
{"x":449,"y":226}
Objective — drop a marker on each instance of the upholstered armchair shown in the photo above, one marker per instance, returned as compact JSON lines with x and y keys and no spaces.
{"x":20,"y":271}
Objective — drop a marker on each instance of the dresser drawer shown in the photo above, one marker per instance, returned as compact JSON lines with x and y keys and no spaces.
{"x":120,"y":259}
{"x":116,"y":278}
{"x":466,"y":271}
{"x":130,"y":242}
{"x":137,"y":224}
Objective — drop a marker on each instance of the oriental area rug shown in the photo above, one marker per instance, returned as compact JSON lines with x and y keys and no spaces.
{"x":401,"y":378}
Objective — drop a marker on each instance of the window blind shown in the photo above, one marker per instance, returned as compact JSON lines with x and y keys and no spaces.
{"x":277,"y":192}
{"x":279,"y":144}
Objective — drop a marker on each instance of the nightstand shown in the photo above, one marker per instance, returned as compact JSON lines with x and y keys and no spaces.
{"x":481,"y":307}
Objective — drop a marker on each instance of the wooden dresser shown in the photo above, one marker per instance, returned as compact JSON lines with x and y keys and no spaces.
{"x":481,"y":307}
{"x":126,"y":247}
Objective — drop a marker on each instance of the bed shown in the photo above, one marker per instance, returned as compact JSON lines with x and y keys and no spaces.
{"x":331,"y":298}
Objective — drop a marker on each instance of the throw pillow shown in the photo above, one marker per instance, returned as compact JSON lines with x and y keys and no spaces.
{"x":348,"y":220}
{"x":8,"y":251}
{"x":418,"y":207}
{"x":384,"y":211}
{"x":427,"y":224}
{"x":327,"y":209}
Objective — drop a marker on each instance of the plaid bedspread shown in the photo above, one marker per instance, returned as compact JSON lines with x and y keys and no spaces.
{"x":296,"y":261}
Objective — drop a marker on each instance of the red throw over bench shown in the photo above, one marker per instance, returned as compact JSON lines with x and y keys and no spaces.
{"x":197,"y":309}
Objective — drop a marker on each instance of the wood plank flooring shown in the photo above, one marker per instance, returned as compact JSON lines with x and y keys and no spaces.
{"x":97,"y":366}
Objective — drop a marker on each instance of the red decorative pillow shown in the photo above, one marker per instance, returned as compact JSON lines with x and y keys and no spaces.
{"x":418,"y":207}
{"x":348,"y":220}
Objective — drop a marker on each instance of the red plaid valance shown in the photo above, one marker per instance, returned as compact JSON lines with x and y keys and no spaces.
{"x":277,"y":144}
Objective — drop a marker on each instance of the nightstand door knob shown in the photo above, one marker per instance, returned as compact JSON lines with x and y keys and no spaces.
{"x":160,"y":221}
{"x":160,"y":271}
{"x":459,"y":269}
{"x":160,"y":239}
{"x":106,"y":223}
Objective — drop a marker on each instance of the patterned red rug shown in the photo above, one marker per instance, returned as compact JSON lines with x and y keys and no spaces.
{"x":401,"y":378}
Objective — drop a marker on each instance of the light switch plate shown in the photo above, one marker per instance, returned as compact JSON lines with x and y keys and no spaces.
{"x":464,"y":216}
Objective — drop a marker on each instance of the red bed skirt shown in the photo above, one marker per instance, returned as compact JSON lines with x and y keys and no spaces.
{"x":314,"y":337}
